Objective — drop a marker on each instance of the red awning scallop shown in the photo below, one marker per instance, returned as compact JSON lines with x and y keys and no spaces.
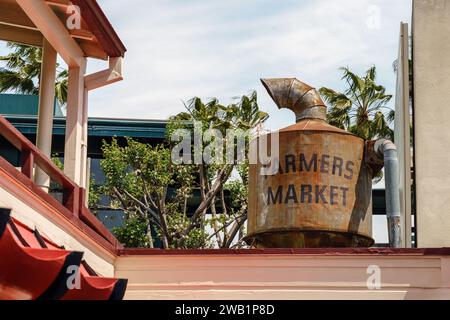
{"x":32,"y":267}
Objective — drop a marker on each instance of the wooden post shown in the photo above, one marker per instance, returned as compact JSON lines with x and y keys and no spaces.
{"x":46,"y":110}
{"x":27,"y":163}
{"x":88,"y":181}
{"x":71,"y":200}
{"x":74,"y":125}
{"x":84,"y":144}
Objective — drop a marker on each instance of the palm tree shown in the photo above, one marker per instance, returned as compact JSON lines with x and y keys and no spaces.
{"x":362,"y":108}
{"x":244,"y":114}
{"x":21,"y":73}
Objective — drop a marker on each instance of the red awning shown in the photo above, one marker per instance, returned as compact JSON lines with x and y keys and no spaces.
{"x":32,"y":267}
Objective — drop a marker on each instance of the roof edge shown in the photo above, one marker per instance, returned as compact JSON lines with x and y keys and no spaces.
{"x":101,"y":27}
{"x":320,"y":251}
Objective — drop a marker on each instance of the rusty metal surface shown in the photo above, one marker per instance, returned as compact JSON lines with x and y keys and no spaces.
{"x":314,"y":125}
{"x":321,"y":195}
{"x":325,"y":205}
{"x":297,"y":96}
{"x":373,"y":159}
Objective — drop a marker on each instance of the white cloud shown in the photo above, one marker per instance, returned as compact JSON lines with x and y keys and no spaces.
{"x":180,"y":49}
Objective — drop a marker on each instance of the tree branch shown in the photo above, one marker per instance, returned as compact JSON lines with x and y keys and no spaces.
{"x":224,"y":174}
{"x":214,"y":223}
{"x":225,"y":225}
{"x":235,"y":229}
{"x":142,"y":205}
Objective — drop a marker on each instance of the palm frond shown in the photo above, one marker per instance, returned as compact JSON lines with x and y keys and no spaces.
{"x":360,"y":108}
{"x":391,"y":116}
{"x":22,"y":72}
{"x":13,"y":81}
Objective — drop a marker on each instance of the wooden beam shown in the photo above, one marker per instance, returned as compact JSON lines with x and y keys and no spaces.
{"x":98,"y":23}
{"x":54,"y":31}
{"x":20,"y":35}
{"x":82,"y":34}
{"x":92,"y":49}
{"x":58,"y":3}
{"x":14,"y":19}
{"x":13,"y":15}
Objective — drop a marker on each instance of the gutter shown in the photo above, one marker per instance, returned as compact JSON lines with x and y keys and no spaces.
{"x":106,"y":77}
{"x":91,"y":82}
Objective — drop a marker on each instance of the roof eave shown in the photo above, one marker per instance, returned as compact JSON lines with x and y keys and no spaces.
{"x":100,"y":26}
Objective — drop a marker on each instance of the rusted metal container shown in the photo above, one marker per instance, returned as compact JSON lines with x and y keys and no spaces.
{"x":321,"y":194}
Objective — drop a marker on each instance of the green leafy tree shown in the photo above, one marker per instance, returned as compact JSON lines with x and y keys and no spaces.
{"x":362,"y":108}
{"x":21,"y":73}
{"x":143,"y":181}
{"x":138,"y":177}
{"x":214,"y":179}
{"x":133,"y":234}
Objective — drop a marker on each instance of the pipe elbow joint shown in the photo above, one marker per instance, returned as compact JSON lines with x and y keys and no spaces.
{"x":290,"y":93}
{"x":383,"y":145}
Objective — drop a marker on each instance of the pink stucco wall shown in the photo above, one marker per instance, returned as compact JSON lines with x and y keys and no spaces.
{"x":284,"y":274}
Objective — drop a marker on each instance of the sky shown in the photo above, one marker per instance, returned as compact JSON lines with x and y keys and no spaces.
{"x":178,"y":49}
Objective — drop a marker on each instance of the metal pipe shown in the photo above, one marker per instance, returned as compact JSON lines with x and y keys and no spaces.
{"x":91,"y":82}
{"x":297,"y":96}
{"x":388,"y":150}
